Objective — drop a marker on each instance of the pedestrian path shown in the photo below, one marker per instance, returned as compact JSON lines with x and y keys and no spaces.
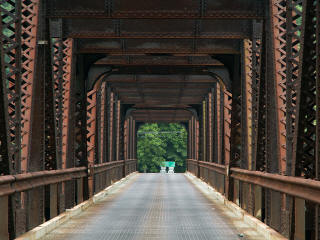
{"x":153,"y":206}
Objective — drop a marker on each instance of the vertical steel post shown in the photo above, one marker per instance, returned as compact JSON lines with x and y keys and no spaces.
{"x":204,"y":130}
{"x":118,"y":105}
{"x":91,"y":128}
{"x":102,"y":122}
{"x":210,"y":128}
{"x":317,"y":147}
{"x":227,"y":137}
{"x":218,"y":119}
{"x":111,"y":126}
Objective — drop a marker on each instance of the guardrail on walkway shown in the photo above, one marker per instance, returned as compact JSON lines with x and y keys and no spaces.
{"x":251,"y":190}
{"x":56,"y":190}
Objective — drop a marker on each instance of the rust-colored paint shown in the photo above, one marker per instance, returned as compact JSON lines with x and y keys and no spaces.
{"x":68,"y":43}
{"x":111,"y":126}
{"x":91,"y":124}
{"x":227,"y":125}
{"x":29,"y":29}
{"x":125,"y":142}
{"x":191,"y":138}
{"x":210,"y":119}
{"x":134,"y":149}
{"x":280,"y":77}
{"x":102,"y":122}
{"x":219,"y":134}
{"x":197,"y":139}
{"x":248,"y":100}
{"x":118,"y":130}
{"x":204,"y":133}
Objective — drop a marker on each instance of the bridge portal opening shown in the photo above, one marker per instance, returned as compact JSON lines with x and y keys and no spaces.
{"x":159,"y":142}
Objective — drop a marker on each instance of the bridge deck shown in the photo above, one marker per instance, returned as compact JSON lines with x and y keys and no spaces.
{"x":155,"y":206}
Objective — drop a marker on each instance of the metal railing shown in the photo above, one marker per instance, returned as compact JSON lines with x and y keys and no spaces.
{"x":260,"y":193}
{"x":306,"y":189}
{"x":56,"y":190}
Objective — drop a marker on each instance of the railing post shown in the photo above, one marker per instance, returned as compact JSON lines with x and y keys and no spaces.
{"x":4,"y":234}
{"x":79,"y":190}
{"x":53,"y":200}
{"x":91,"y":179}
{"x":299,"y":232}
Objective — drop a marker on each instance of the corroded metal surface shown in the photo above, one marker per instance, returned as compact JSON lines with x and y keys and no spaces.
{"x":156,"y":206}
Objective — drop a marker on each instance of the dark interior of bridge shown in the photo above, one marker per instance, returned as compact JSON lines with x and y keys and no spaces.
{"x":78,"y":79}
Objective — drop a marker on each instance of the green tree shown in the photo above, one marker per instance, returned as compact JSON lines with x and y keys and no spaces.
{"x":176,"y":144}
{"x":161,"y":142}
{"x":151,"y":148}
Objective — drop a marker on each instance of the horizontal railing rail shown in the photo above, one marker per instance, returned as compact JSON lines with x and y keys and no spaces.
{"x":128,"y":161}
{"x":306,"y":189}
{"x":98,"y":168}
{"x":214,"y":166}
{"x":11,"y":184}
{"x":57,"y":190}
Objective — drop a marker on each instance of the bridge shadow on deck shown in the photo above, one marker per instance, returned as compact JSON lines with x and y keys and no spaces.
{"x":153,"y":206}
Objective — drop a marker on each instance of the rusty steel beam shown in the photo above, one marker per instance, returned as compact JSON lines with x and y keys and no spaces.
{"x":218,"y":119}
{"x":122,"y":113}
{"x":279,"y":45}
{"x":102,"y":121}
{"x":67,"y":76}
{"x":118,"y":121}
{"x":133,"y":51}
{"x":80,"y":116}
{"x":130,"y":137}
{"x":303,"y":72}
{"x":111,"y":124}
{"x":11,"y":72}
{"x":294,"y":42}
{"x":210,"y":127}
{"x":125,"y":144}
{"x":123,"y":29}
{"x":29,"y":35}
{"x":57,"y":78}
{"x":197,"y":129}
{"x":162,"y":9}
{"x":4,"y":139}
{"x":246,"y":104}
{"x":149,"y":78}
{"x":174,"y":90}
{"x":257,"y":95}
{"x":114,"y":127}
{"x":163,"y":60}
{"x":160,"y":94}
{"x":91,"y":132}
{"x":317,"y":147}
{"x":135,"y":130}
{"x":204,"y":130}
{"x":173,"y":47}
{"x":227,"y":125}
{"x":147,"y":15}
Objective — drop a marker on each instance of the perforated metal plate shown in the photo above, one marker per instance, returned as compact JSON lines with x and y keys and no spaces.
{"x":155,"y":206}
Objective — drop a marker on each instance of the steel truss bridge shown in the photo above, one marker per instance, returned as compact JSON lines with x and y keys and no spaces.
{"x":79,"y":77}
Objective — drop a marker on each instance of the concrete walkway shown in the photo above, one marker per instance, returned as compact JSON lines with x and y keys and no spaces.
{"x":153,"y":206}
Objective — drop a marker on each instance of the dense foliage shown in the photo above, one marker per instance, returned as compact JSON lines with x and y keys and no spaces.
{"x":161,"y":142}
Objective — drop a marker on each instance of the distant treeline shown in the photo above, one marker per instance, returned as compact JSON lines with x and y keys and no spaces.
{"x":158,"y":142}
